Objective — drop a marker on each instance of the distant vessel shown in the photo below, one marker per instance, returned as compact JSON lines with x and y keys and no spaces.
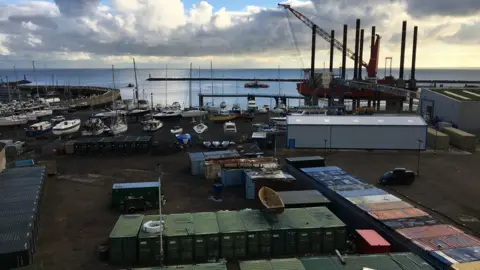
{"x":130,"y":85}
{"x":38,"y":129}
{"x":221,"y":118}
{"x":271,"y":200}
{"x":229,"y":127}
{"x":13,"y":121}
{"x":252,"y":105}
{"x":256,"y":84}
{"x":67,"y":127}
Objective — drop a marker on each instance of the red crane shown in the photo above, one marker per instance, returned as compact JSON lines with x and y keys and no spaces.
{"x":372,"y":66}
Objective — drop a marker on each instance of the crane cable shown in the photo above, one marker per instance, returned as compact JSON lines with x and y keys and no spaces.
{"x":294,"y":39}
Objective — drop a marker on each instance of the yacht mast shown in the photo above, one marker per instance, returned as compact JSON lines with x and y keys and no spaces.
{"x":190,"y":88}
{"x":136,"y":82}
{"x":35,"y":77}
{"x":211,"y":78}
{"x":166,"y":85}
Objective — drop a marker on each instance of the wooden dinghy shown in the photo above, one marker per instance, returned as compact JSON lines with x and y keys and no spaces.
{"x":270,"y":200}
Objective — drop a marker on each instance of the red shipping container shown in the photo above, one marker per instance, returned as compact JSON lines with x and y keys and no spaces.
{"x":447,"y":242}
{"x":370,"y":242}
{"x":398,"y":213}
{"x":429,"y":231}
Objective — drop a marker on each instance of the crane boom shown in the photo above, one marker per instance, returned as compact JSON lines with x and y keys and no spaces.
{"x":371,"y":67}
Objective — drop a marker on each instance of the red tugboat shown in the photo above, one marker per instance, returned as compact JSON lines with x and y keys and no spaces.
{"x":256,"y":84}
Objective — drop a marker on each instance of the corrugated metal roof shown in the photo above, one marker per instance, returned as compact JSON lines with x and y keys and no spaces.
{"x":196,"y":156}
{"x":135,"y":185}
{"x":221,"y":154}
{"x":458,"y":255}
{"x":179,"y":225}
{"x":255,"y":265}
{"x":13,"y":241}
{"x":210,"y":266}
{"x":229,"y":222}
{"x":308,"y":158}
{"x":374,"y":199}
{"x":372,"y":238}
{"x":447,"y":242}
{"x":384,"y":206}
{"x":356,"y":120}
{"x":467,"y":266}
{"x":23,"y":163}
{"x":410,"y":222}
{"x":253,"y":220}
{"x":302,"y":197}
{"x":205,"y":223}
{"x":362,"y":192}
{"x":325,"y":217}
{"x":18,"y":221}
{"x":127,"y":226}
{"x":410,"y":261}
{"x":287,"y":264}
{"x":301,"y":219}
{"x":21,"y":208}
{"x":397,"y":213}
{"x":429,"y":231}
{"x":321,"y":169}
{"x":317,"y":263}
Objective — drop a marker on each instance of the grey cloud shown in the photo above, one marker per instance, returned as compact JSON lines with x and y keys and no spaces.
{"x":467,"y":34}
{"x":76,"y":7}
{"x":38,"y":20}
{"x":422,"y":8}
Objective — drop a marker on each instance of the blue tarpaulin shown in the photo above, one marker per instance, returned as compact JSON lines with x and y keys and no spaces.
{"x":25,"y":163}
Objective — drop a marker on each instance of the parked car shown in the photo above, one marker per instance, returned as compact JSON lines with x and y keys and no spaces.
{"x":58,"y":119}
{"x":397,"y":176}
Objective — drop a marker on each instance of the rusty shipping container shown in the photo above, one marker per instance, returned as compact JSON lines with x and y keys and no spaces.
{"x":429,"y":231}
{"x":369,"y":207}
{"x":446,"y":242}
{"x":397,"y":213}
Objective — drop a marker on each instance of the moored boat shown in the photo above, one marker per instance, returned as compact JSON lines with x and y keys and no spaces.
{"x":229,"y":127}
{"x":256,"y":84}
{"x":93,"y":127}
{"x":152,"y":125}
{"x":221,"y":118}
{"x":66,"y":127}
{"x":13,"y":121}
{"x":38,"y":129}
{"x":200,"y":128}
{"x":176,"y":130}
{"x":271,"y":200}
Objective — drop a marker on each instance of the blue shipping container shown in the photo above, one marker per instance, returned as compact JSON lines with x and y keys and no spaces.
{"x":321,"y":169}
{"x":135,"y":185}
{"x":197,"y":163}
{"x":457,"y":255}
{"x":348,"y":187}
{"x":249,"y":187}
{"x":227,"y":154}
{"x":232,"y":178}
{"x":362,"y":192}
{"x":24,"y":163}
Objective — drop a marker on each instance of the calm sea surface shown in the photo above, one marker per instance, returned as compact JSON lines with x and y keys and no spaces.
{"x":178,"y":91}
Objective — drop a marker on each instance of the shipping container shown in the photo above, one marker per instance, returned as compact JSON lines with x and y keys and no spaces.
{"x":106,"y":145}
{"x":130,"y":144}
{"x":80,"y":146}
{"x":306,"y":162}
{"x":466,"y":266}
{"x":397,"y":213}
{"x":334,"y":230}
{"x":125,"y":195}
{"x":410,"y":261}
{"x":15,"y":248}
{"x":143,"y":144}
{"x":437,"y":140}
{"x":25,"y":223}
{"x":384,"y":206}
{"x":429,"y":231}
{"x":370,"y":242}
{"x":70,"y":147}
{"x":322,"y":169}
{"x":233,"y":240}
{"x":302,"y":198}
{"x":308,"y":230}
{"x":123,"y":239}
{"x":119,"y":144}
{"x":232,"y":178}
{"x":94,"y":147}
{"x":287,"y":264}
{"x":210,"y":266}
{"x":410,"y":222}
{"x":260,"y":138}
{"x":461,"y":139}
{"x":447,"y":242}
{"x":255,"y":265}
{"x":371,"y":132}
{"x":217,"y":155}
{"x":207,"y":238}
{"x":25,"y":163}
{"x":259,"y":235}
{"x":275,"y":179}
{"x":457,"y":255}
{"x":179,"y":233}
{"x":374,"y":199}
{"x":335,"y":186}
{"x":149,"y":243}
{"x":197,"y":163}
{"x":250,"y":192}
{"x":371,"y":191}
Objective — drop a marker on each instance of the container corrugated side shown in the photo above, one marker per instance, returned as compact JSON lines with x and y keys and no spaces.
{"x":466,"y":266}
{"x":284,"y":236}
{"x":447,"y":242}
{"x":123,"y":239}
{"x":457,"y":255}
{"x":232,"y":235}
{"x":258,"y":233}
{"x":377,"y":261}
{"x":287,"y":264}
{"x":249,"y":186}
{"x":374,"y":199}
{"x":320,"y":169}
{"x":309,"y":231}
{"x":196,"y":160}
{"x":410,"y":261}
{"x":334,"y":230}
{"x":255,"y":265}
{"x":317,"y":263}
{"x":362,"y":192}
{"x":207,"y":236}
{"x":179,"y":232}
{"x":232,"y":178}
{"x":384,"y":206}
{"x":403,"y":223}
{"x":397,"y":213}
{"x":429,"y":231}
{"x":149,"y":243}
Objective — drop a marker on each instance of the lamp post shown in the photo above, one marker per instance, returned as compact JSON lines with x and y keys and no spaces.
{"x":418,"y":157}
{"x":160,"y":212}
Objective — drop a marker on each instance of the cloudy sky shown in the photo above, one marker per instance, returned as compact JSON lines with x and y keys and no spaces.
{"x":233,"y":33}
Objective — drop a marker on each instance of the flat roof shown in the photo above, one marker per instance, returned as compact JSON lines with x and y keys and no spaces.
{"x":460,"y":94}
{"x":413,"y":120}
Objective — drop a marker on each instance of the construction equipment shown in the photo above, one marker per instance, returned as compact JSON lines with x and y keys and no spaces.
{"x":372,"y":66}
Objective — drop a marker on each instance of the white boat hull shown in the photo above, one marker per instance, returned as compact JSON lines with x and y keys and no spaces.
{"x":65,"y":130}
{"x":9,"y":121}
{"x":193,"y":113}
{"x":149,"y":126}
{"x":176,"y":131}
{"x":93,"y":132}
{"x":119,"y":129}
{"x":200,"y":128}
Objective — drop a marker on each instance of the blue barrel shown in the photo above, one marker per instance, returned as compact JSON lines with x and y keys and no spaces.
{"x":217,"y":190}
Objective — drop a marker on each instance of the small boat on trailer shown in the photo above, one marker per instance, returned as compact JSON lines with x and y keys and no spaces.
{"x":200,"y":128}
{"x":38,"y":129}
{"x":271,"y":200}
{"x":67,"y":127}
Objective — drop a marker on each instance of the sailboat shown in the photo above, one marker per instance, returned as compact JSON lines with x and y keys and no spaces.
{"x":67,"y":127}
{"x":138,"y":110}
{"x":152,"y":124}
{"x":119,"y":123}
{"x":192,"y":112}
{"x":93,"y":127}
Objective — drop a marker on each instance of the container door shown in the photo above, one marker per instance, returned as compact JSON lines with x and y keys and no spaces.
{"x":303,"y":244}
{"x":249,"y":189}
{"x":328,"y":240}
{"x":200,"y":249}
{"x":252,"y":244}
{"x":291,"y":143}
{"x":213,"y":247}
{"x":227,"y":246}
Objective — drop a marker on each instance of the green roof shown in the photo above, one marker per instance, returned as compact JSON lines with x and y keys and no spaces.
{"x":253,"y":220}
{"x":325,"y":217}
{"x":127,"y":226}
{"x":410,"y":261}
{"x":461,"y":94}
{"x":179,"y":225}
{"x":301,"y":219}
{"x":205,"y":223}
{"x":315,"y":263}
{"x":142,"y":234}
{"x":282,"y":222}
{"x":229,"y":222}
{"x":255,"y":265}
{"x":287,"y":264}
{"x":211,"y":266}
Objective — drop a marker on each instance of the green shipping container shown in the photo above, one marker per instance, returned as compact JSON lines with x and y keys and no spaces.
{"x":210,"y":266}
{"x":179,"y":234}
{"x":232,"y":235}
{"x":148,"y":191}
{"x":149,"y":244}
{"x":334,"y":230}
{"x":315,"y":263}
{"x":283,"y":236}
{"x":287,"y":264}
{"x":255,"y":265}
{"x":259,"y":234}
{"x":123,"y":239}
{"x":207,"y":236}
{"x":309,"y":231}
